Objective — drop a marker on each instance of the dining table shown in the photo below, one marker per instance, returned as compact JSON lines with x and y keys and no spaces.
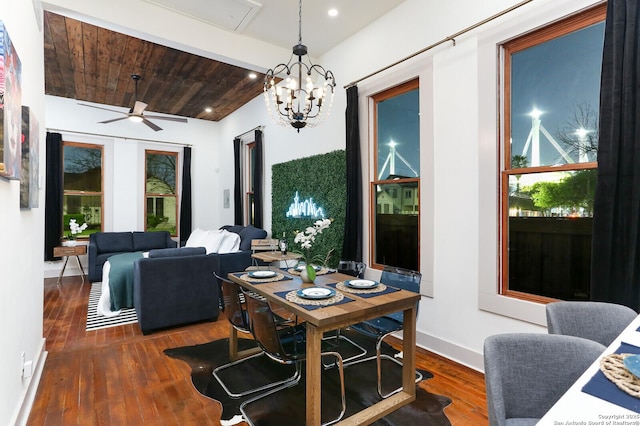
{"x":596,"y":398}
{"x":353,"y":307}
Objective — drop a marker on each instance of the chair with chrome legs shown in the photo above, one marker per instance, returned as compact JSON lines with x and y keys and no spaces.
{"x":286,"y":345}
{"x":234,"y":310}
{"x":381,"y":327}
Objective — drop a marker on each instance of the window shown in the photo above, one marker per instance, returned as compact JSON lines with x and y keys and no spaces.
{"x":551,"y":90}
{"x":83,"y":190}
{"x":161,"y":202}
{"x":396,"y":186}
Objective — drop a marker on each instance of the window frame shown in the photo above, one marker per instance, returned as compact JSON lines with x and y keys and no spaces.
{"x":550,"y":31}
{"x":388,"y":93}
{"x":100,"y":193}
{"x":146,"y":194}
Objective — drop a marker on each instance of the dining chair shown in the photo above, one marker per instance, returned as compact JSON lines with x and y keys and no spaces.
{"x":235,"y":310}
{"x":526,"y":373}
{"x":285,"y":345}
{"x":381,"y":327}
{"x":352,"y":267}
{"x":598,"y":321}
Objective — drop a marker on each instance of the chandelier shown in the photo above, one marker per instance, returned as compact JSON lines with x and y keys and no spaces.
{"x":292,"y":101}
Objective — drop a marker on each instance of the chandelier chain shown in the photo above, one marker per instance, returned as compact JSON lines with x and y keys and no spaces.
{"x":299,"y":21}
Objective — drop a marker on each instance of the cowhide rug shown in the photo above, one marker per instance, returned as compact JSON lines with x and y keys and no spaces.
{"x":360,"y":383}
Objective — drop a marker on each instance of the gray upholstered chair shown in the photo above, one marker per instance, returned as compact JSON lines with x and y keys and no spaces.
{"x":526,"y":373}
{"x":598,"y":321}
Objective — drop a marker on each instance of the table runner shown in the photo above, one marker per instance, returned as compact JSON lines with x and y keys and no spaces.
{"x":603,"y":388}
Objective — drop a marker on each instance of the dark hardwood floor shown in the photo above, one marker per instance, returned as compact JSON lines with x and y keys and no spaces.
{"x":118,"y":376}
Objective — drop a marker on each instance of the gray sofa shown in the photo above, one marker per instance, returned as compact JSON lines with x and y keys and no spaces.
{"x":102,"y":245}
{"x":172,"y":286}
{"x":175,"y":286}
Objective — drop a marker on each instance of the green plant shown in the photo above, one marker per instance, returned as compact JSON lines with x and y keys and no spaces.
{"x":322,"y":178}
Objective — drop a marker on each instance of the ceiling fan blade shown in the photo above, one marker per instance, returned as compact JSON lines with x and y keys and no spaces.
{"x":106,"y":109}
{"x":159,"y":117}
{"x":112,"y":120}
{"x":138,"y":108}
{"x":150,"y":124}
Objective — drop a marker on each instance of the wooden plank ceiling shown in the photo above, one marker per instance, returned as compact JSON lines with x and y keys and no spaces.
{"x":89,"y":63}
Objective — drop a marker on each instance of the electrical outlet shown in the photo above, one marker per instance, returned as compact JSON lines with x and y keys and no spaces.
{"x":27,"y":366}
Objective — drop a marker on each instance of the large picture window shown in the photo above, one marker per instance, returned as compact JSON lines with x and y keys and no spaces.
{"x":161,"y":201}
{"x":551,"y":88}
{"x":396,"y":186}
{"x":83,"y":187}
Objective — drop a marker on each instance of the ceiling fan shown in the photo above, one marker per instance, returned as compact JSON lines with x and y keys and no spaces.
{"x":135,"y":113}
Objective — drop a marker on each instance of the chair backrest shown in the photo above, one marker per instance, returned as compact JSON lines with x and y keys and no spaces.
{"x":598,"y":321}
{"x":352,"y":267}
{"x":526,"y":373}
{"x":232,"y":305}
{"x":405,"y":279}
{"x":263,"y":327}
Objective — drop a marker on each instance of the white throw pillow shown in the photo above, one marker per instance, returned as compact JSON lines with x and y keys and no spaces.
{"x":212,"y":241}
{"x":196,"y":239}
{"x":230,"y":242}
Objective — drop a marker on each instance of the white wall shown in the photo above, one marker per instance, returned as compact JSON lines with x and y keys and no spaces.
{"x":21,"y":291}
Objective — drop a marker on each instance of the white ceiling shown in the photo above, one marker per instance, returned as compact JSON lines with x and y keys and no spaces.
{"x":276,"y":21}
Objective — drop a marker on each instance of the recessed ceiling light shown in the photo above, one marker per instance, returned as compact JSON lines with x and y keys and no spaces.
{"x":208,"y":109}
{"x":252,"y":75}
{"x":333,"y":12}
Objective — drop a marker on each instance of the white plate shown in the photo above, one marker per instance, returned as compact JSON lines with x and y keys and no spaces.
{"x":361,"y":284}
{"x":316,"y":293}
{"x":262,"y":274}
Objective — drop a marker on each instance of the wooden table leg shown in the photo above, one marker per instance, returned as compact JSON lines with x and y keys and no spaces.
{"x":409,"y":352}
{"x":314,"y":363}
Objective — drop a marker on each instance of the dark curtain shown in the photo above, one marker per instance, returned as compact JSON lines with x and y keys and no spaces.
{"x":257,"y":182}
{"x":237,"y":188}
{"x":352,"y":244}
{"x":53,"y":195}
{"x":185,"y":203}
{"x":615,"y":263}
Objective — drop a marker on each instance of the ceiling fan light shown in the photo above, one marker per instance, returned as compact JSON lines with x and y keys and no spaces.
{"x":135,"y":118}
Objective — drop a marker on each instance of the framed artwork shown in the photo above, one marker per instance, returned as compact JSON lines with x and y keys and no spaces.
{"x":10,"y":107}
{"x":29,"y":181}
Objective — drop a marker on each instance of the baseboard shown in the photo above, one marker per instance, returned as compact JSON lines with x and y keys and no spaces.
{"x":29,"y":395}
{"x":456,"y":353}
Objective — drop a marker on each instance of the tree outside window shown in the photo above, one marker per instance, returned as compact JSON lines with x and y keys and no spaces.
{"x":83,"y":187}
{"x":161,"y":203}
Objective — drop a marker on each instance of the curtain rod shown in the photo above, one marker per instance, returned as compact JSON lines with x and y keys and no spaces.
{"x":451,"y":38}
{"x":249,"y":131}
{"x":118,"y":137}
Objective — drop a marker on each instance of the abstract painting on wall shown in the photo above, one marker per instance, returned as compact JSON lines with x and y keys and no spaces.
{"x":29,"y":180}
{"x":10,"y":107}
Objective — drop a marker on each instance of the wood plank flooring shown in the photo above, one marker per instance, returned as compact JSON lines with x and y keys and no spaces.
{"x":118,"y":376}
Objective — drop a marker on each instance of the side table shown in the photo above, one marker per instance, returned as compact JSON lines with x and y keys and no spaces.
{"x":68,"y":251}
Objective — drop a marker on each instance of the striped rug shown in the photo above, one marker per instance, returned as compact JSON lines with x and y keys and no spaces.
{"x":96,"y":322}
